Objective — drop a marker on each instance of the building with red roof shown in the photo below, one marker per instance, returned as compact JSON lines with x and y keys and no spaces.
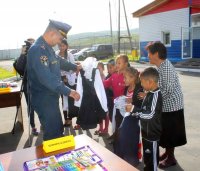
{"x":176,"y":23}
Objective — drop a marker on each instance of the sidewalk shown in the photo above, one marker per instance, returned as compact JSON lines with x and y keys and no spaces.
{"x":139,"y":65}
{"x":187,"y":155}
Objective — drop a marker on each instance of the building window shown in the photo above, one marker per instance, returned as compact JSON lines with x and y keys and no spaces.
{"x":166,"y":38}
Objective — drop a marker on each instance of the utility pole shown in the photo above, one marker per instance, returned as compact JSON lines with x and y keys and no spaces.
{"x":118,"y":49}
{"x":111,"y":34}
{"x":119,"y":35}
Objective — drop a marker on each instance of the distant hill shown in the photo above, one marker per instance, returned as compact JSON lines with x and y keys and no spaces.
{"x":100,"y":33}
{"x":90,"y":38}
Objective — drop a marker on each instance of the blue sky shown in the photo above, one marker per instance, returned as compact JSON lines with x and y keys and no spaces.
{"x":24,"y":18}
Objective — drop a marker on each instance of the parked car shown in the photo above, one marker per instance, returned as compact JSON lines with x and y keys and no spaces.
{"x":100,"y":51}
{"x":80,"y":55}
{"x":73,"y":51}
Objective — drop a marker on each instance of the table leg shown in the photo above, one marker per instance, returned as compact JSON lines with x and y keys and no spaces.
{"x":18,"y":118}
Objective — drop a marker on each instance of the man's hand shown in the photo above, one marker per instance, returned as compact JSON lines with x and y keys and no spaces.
{"x":77,"y":63}
{"x":74,"y":95}
{"x":79,"y":67}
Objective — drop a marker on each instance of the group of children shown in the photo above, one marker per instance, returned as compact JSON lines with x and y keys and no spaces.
{"x":142,"y":117}
{"x":143,"y":106}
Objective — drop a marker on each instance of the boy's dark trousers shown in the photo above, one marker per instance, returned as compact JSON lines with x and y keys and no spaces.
{"x":150,"y":154}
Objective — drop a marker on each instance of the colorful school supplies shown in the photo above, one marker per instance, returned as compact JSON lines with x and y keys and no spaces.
{"x":81,"y":159}
{"x":1,"y":167}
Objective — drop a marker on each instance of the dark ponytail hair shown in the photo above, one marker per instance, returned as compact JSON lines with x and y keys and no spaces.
{"x":64,"y":41}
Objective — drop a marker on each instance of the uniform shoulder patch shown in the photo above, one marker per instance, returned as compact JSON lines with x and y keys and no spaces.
{"x":44,"y":60}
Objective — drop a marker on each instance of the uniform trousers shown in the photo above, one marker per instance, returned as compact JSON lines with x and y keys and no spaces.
{"x":47,"y":108}
{"x":150,"y":154}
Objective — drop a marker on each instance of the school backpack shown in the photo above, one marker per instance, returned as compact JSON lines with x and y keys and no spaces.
{"x":20,"y":64}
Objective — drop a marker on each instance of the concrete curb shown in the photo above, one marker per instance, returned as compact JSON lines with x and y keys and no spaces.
{"x":193,"y":70}
{"x":188,"y":70}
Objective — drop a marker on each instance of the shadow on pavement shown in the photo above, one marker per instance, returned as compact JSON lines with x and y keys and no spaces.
{"x":177,"y":167}
{"x":38,"y":141}
{"x":107,"y":142}
{"x":88,"y":133}
{"x":9,"y":141}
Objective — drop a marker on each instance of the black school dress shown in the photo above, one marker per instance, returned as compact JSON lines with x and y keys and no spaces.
{"x":126,"y":143}
{"x":91,"y":112}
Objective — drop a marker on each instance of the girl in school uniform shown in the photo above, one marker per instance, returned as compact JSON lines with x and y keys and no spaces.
{"x":126,"y":145}
{"x":103,"y":128}
{"x":109,"y":92}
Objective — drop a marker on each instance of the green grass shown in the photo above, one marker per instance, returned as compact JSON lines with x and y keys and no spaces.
{"x":5,"y":73}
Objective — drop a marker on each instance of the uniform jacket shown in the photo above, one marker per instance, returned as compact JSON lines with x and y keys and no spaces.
{"x":43,"y":71}
{"x":150,"y":115}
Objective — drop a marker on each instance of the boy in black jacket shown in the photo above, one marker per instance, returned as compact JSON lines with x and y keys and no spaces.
{"x":150,"y":117}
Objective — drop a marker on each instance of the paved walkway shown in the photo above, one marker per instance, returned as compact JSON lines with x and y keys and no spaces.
{"x":187,"y":156}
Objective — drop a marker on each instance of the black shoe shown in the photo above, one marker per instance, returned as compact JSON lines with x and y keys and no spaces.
{"x":168,"y":162}
{"x":67,"y":123}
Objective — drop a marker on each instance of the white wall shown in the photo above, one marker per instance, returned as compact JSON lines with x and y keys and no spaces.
{"x":9,"y":54}
{"x":151,"y":26}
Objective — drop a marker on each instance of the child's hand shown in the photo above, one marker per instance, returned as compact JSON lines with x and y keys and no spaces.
{"x":129,"y":107}
{"x":77,"y":63}
{"x":65,"y":80}
{"x":128,"y":100}
{"x":141,"y":95}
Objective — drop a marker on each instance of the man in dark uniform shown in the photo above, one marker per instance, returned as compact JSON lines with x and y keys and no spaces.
{"x":43,"y":70}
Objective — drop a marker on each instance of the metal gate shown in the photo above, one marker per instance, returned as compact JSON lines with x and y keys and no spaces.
{"x":186,"y":42}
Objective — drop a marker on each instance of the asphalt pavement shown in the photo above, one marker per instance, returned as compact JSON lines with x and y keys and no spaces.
{"x":187,"y":155}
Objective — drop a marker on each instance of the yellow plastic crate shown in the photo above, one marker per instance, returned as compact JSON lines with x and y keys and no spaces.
{"x":58,"y":143}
